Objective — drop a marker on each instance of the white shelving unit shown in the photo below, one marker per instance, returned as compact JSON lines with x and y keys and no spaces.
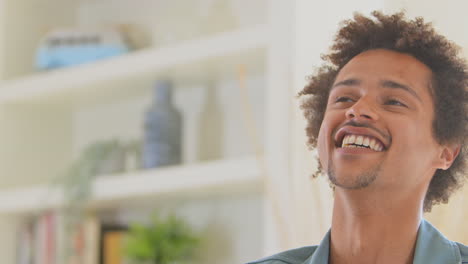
{"x":42,"y":117}
{"x":216,"y":50}
{"x":208,"y":178}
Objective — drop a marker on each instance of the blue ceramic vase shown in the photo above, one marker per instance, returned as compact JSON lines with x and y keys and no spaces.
{"x":162,"y":140}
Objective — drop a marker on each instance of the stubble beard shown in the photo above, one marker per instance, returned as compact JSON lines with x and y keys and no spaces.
{"x":361,"y":181}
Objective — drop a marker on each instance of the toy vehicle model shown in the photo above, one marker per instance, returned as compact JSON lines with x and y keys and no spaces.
{"x":67,"y":47}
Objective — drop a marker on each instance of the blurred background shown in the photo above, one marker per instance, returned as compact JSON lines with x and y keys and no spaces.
{"x":157,"y":131}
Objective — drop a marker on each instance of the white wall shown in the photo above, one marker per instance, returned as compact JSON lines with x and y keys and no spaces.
{"x":448,"y":17}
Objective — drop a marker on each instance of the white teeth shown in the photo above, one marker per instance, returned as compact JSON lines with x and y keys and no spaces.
{"x":377,"y":147}
{"x":353,"y":141}
{"x":366,"y":142}
{"x":359,"y":140}
{"x":372,"y":143}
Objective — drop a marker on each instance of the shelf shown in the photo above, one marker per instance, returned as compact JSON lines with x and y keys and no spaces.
{"x":67,"y":81}
{"x":234,"y":175}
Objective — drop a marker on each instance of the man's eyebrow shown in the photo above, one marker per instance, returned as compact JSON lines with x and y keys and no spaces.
{"x":393,"y":84}
{"x":383,"y":83}
{"x":347,"y":82}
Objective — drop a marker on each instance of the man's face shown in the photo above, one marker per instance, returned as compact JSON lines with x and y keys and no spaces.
{"x":377,"y":128}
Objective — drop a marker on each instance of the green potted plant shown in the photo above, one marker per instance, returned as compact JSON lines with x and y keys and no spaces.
{"x":76,"y":186}
{"x":163,"y":241}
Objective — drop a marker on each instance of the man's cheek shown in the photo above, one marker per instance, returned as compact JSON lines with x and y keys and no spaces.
{"x":322,"y":149}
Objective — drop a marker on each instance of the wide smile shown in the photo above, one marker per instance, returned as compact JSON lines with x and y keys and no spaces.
{"x":356,"y":140}
{"x":361,"y":141}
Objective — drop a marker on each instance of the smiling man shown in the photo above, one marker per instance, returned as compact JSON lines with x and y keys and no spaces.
{"x":388,"y":114}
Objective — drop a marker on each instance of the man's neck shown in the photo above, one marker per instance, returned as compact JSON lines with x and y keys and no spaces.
{"x":366,"y":230}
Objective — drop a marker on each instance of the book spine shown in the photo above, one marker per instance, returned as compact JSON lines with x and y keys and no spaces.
{"x":91,"y":234}
{"x":49,"y":224}
{"x":25,"y":244}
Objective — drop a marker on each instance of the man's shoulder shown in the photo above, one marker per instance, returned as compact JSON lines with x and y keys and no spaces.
{"x":434,"y":244}
{"x":292,"y":256}
{"x":463,"y":252}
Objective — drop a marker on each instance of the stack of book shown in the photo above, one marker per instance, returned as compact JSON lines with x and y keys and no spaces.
{"x":43,"y":240}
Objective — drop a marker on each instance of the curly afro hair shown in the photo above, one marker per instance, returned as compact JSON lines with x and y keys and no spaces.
{"x":418,"y":39}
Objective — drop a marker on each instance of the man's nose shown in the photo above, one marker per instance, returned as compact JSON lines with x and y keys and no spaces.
{"x":362,"y":109}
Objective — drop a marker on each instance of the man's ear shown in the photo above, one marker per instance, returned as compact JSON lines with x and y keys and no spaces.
{"x":448,"y":155}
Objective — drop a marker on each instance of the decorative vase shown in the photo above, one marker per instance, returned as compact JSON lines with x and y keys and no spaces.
{"x":210,"y":140}
{"x":162,"y":130}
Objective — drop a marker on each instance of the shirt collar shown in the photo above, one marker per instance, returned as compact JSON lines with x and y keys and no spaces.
{"x":431,"y":248}
{"x":320,"y":255}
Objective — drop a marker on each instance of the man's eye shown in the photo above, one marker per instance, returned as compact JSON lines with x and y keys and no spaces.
{"x":343,"y":99}
{"x":395,"y":102}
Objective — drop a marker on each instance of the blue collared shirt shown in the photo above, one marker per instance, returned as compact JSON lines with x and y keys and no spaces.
{"x":431,"y":248}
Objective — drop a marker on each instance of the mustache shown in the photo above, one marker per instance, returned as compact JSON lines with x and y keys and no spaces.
{"x":365,"y":125}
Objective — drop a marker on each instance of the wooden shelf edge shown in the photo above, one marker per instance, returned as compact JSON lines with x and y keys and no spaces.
{"x":176,"y":180}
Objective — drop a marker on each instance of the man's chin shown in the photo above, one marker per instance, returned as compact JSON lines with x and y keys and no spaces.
{"x":352,"y":182}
